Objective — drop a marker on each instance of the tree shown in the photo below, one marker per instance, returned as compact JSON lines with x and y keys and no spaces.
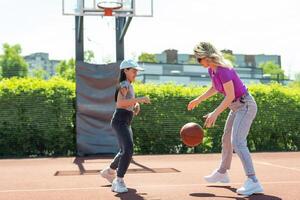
{"x":192,"y":60}
{"x":107,"y":59}
{"x":296,"y":82}
{"x":147,"y":57}
{"x":40,"y":73}
{"x":273,"y":69}
{"x":89,"y":56}
{"x":66,"y":69}
{"x":297,"y":77}
{"x":12,"y":63}
{"x":230,"y":58}
{"x":228,"y":55}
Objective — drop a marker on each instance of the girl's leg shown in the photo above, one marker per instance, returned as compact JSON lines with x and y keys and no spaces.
{"x":115,"y":163}
{"x":109,"y":173}
{"x":124,"y":157}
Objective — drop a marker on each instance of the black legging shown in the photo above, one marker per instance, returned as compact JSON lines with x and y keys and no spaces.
{"x":120,"y":123}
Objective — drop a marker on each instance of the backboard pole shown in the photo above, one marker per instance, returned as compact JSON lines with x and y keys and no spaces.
{"x":79,"y":46}
{"x":120,"y":23}
{"x":124,"y":30}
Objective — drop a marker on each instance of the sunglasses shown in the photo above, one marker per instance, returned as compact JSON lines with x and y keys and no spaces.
{"x":199,"y":60}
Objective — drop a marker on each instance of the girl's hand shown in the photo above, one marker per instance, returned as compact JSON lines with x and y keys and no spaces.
{"x":193,"y":104}
{"x":144,"y":100}
{"x":136,"y":109}
{"x":211,"y":119}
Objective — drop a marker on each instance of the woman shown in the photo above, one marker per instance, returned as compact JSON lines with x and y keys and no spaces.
{"x":243,"y":110}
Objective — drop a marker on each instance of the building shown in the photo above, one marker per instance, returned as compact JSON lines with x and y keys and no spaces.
{"x":182,"y":69}
{"x":242,"y":60}
{"x":41,"y":61}
{"x":186,"y":74}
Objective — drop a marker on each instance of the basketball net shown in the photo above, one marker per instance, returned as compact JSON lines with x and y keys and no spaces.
{"x":109,"y":5}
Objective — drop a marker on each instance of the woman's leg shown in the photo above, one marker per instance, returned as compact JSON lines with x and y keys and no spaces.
{"x":220,"y":175}
{"x":227,"y":150}
{"x":240,"y":131}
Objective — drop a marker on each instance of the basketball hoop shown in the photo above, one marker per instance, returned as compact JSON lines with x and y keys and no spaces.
{"x":109,"y":6}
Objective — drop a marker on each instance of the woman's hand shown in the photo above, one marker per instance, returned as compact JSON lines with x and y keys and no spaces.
{"x":136,"y":109}
{"x":193,"y":104}
{"x":211,"y":119}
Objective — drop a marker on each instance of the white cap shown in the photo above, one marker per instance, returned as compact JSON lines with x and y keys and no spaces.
{"x":130,"y":64}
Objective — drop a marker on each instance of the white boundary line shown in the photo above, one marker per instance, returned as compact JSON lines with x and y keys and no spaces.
{"x":275,"y":165}
{"x":138,"y":186}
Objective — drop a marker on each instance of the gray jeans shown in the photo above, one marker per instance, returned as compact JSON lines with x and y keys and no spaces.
{"x":121,"y":124}
{"x":236,"y":131}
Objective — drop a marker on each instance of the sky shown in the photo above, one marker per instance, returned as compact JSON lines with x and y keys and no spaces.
{"x":246,"y":27}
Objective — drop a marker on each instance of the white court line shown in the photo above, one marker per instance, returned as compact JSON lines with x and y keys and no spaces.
{"x":138,"y":186}
{"x":274,"y":165}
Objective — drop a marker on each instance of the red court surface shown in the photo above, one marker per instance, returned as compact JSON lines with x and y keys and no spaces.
{"x":159,"y":177}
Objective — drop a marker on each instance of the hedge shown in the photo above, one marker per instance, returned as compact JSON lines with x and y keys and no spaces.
{"x":156,"y":130}
{"x":37,"y":118}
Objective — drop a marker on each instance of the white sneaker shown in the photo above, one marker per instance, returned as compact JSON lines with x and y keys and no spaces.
{"x":108,"y":174}
{"x":250,"y":188}
{"x":217,"y":177}
{"x":118,"y":186}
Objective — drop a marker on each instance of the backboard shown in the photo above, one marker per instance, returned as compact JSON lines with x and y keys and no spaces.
{"x":130,"y":8}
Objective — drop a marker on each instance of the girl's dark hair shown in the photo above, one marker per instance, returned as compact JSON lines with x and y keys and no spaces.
{"x":122,"y":77}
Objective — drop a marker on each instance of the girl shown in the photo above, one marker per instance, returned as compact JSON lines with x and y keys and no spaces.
{"x":126,"y":106}
{"x":243,"y":110}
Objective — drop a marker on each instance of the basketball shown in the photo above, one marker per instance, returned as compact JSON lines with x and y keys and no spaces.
{"x":192,"y":134}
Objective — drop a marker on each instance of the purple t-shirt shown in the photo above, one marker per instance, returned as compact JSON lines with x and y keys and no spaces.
{"x":223,"y":75}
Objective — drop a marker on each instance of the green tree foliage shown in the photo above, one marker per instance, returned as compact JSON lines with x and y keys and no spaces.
{"x":147,"y":57}
{"x":89,"y":56}
{"x":297,"y":77}
{"x":107,"y":59}
{"x":40,"y":74}
{"x":66,"y":69}
{"x":296,"y":82}
{"x":12,"y":63}
{"x":273,"y":69}
{"x":192,"y":60}
{"x":230,"y":58}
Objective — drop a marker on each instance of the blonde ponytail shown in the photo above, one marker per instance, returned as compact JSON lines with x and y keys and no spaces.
{"x":207,"y":50}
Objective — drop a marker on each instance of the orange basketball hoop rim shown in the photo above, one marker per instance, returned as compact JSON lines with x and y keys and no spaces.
{"x":109,"y":6}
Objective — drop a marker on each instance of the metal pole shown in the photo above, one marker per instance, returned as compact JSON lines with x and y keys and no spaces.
{"x":123,"y":33}
{"x":79,"y":42}
{"x":120,"y":23}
